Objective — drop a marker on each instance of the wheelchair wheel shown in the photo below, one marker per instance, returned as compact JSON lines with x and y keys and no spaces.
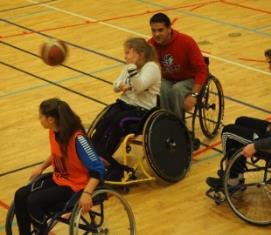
{"x":167,"y":146}
{"x":110,"y":214}
{"x":11,"y":224}
{"x":91,"y":130}
{"x":250,"y":199}
{"x":211,"y":107}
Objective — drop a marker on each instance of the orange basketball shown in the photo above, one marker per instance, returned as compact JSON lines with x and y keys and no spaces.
{"x":54,"y":52}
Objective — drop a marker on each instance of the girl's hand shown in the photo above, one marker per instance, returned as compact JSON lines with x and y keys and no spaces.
{"x":131,"y":56}
{"x":124,"y":87}
{"x":85,"y":202}
{"x":37,"y":172}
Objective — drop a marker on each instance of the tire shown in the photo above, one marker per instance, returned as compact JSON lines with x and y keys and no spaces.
{"x":110,"y":214}
{"x":250,"y":199}
{"x":211,"y":107}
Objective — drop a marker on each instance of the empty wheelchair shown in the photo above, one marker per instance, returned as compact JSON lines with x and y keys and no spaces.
{"x":246,"y":186}
{"x":110,"y":214}
{"x":209,"y":107}
{"x":165,"y":148}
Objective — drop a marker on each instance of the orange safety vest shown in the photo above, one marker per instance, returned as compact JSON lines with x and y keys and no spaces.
{"x":68,"y":170}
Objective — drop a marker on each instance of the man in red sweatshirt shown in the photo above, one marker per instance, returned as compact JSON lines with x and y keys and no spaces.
{"x":183,"y":68}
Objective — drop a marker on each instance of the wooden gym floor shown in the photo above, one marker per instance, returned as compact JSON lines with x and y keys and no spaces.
{"x":233,"y":33}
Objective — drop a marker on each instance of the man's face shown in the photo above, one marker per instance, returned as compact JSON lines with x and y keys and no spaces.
{"x":161,"y":34}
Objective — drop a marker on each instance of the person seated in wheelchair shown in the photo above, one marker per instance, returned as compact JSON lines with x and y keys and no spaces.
{"x":251,"y":134}
{"x":139,"y":85}
{"x":183,"y":68}
{"x":76,"y":167}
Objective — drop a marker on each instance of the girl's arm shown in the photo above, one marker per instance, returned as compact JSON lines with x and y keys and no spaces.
{"x":149,"y":75}
{"x":93,"y":163}
{"x":38,"y":171}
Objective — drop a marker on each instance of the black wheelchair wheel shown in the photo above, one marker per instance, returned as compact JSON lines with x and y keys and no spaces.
{"x":250,"y":196}
{"x":211,"y":107}
{"x":95,"y":123}
{"x":110,"y":214}
{"x":167,"y":146}
{"x":11,"y":225}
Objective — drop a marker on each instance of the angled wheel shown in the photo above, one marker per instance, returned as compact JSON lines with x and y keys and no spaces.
{"x":167,"y":146}
{"x":91,"y":130}
{"x":11,"y":223}
{"x":211,"y":107}
{"x":250,"y":199}
{"x":111,"y":214}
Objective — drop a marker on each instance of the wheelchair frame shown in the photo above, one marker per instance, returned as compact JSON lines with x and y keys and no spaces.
{"x":141,"y":140}
{"x":250,"y":199}
{"x":95,"y":221}
{"x":204,"y":106}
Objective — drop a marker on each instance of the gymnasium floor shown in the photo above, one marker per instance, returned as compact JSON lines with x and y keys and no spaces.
{"x":233,"y":33}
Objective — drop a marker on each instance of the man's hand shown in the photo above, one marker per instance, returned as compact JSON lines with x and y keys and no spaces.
{"x":189,"y":102}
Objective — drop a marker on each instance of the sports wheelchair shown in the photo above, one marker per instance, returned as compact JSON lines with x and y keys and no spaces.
{"x":249,"y":193}
{"x":165,"y":142}
{"x":165,"y":146}
{"x":110,"y":214}
{"x":209,"y":108}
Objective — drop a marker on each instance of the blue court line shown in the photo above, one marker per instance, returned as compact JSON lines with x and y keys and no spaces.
{"x":210,"y":157}
{"x":263,"y":27}
{"x":216,"y":21}
{"x":58,"y":81}
{"x":247,"y":104}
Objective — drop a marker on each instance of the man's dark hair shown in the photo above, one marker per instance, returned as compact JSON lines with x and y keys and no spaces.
{"x":160,"y":18}
{"x":268,"y":53}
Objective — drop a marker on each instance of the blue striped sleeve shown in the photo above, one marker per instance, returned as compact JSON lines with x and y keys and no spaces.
{"x":89,"y":157}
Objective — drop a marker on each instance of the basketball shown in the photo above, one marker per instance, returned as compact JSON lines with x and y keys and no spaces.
{"x":54,"y":52}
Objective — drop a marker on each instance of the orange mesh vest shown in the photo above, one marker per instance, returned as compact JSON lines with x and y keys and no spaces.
{"x":69,"y":170}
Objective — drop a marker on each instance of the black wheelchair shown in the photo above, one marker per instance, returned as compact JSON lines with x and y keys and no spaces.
{"x":165,"y":145}
{"x":110,"y":214}
{"x":249,"y":196}
{"x":209,"y":108}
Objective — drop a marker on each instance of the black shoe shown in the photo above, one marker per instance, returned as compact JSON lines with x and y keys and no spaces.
{"x":216,"y":183}
{"x":116,"y":172}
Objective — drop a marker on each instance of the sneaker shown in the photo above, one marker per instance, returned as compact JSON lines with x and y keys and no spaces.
{"x":216,"y":183}
{"x":116,"y":173}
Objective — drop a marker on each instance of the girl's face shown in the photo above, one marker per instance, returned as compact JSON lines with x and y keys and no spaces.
{"x":133,"y":57}
{"x":46,"y":122}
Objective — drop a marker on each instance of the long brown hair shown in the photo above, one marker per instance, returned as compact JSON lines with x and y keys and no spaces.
{"x":140,"y":45}
{"x":66,"y":121}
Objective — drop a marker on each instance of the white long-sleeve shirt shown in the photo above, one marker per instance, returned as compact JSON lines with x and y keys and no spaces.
{"x":144,"y":84}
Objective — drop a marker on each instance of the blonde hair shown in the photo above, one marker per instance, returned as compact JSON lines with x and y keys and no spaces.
{"x":140,"y":45}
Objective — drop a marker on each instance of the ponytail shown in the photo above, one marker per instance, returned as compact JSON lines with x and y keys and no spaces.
{"x":66,"y":121}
